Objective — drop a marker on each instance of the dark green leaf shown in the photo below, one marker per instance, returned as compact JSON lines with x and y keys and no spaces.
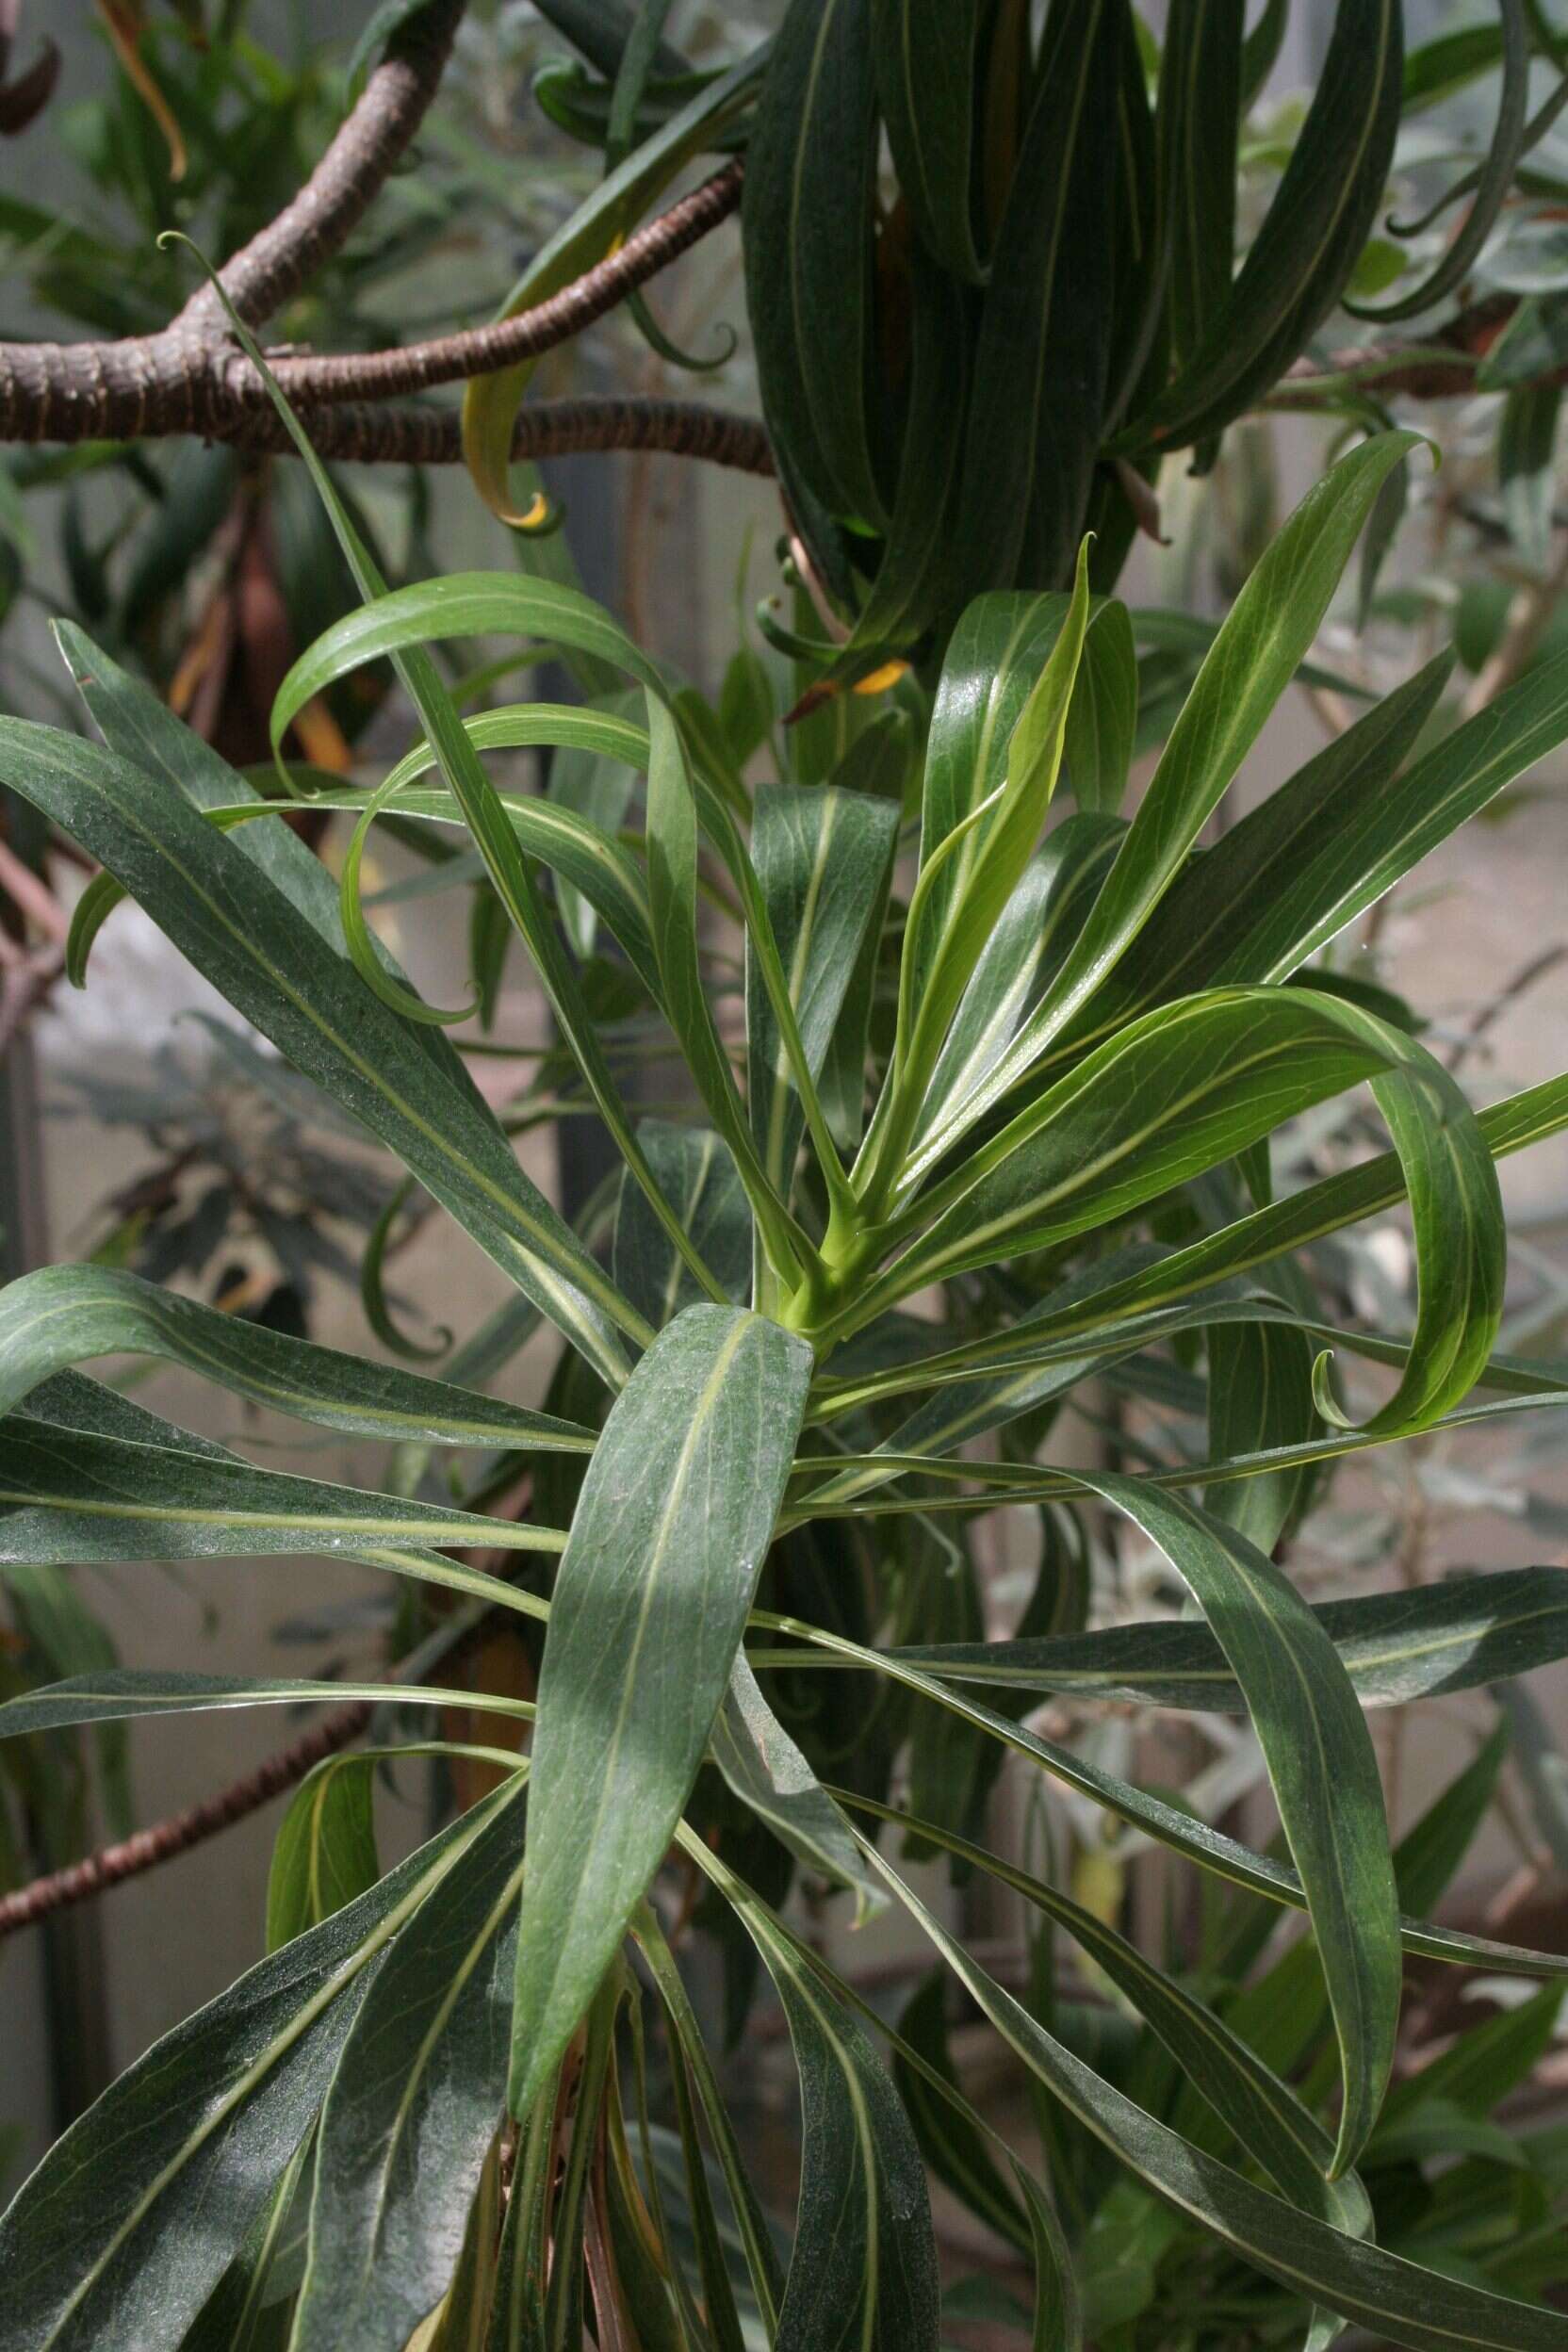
{"x":413,"y":2106}
{"x":1310,"y":239}
{"x":650,"y":1600}
{"x":65,"y":1315}
{"x":132,"y":2219}
{"x":1043,"y":359}
{"x":806,"y":224}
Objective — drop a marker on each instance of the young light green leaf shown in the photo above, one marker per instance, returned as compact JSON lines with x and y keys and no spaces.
{"x":324,"y":1854}
{"x":993,"y":847}
{"x":1103,"y":715}
{"x":650,"y":1600}
{"x":1248,"y":668}
{"x":1170,"y":1095}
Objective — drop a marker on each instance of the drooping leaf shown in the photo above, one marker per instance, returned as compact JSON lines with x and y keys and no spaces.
{"x":1040,"y":379}
{"x":1310,"y":239}
{"x":1395,"y":2299}
{"x":807,"y":237}
{"x":863,"y":2267}
{"x":66,"y":1315}
{"x":252,"y":942}
{"x":1459,"y":1635}
{"x":1269,"y":2118}
{"x":1323,"y":1772}
{"x":766,"y":1769}
{"x":491,"y":402}
{"x":927,"y":56}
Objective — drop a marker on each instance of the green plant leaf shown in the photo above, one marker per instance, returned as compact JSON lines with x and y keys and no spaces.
{"x":650,"y":1600}
{"x":101,"y":2246}
{"x":1310,"y":239}
{"x":1102,"y":717}
{"x":927,"y":56}
{"x":1461,"y":1635}
{"x":1027,"y":946}
{"x":1239,"y":910}
{"x":490,"y":403}
{"x":864,"y":2255}
{"x":1171,"y":1825}
{"x":1492,"y":179}
{"x":1322,"y":1769}
{"x":129,"y":1692}
{"x":1248,"y":668}
{"x":823,"y":859}
{"x":1040,"y":376}
{"x":1198,"y":119}
{"x":1271,"y":2122}
{"x":413,"y":2107}
{"x":807,"y":239}
{"x":1260,"y":1397}
{"x":766,"y":1769}
{"x":265,"y":957}
{"x":65,"y":1315}
{"x":945,"y":935}
{"x":697,"y":1178}
{"x":1270,"y":1232}
{"x":324,"y":1854}
{"x":1176,"y":1092}
{"x":70,"y":1495}
{"x":1393,"y":2298}
{"x":672,"y":849}
{"x":954,"y":2151}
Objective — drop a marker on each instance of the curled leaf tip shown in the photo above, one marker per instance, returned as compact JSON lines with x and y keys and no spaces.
{"x":1323,"y":1395}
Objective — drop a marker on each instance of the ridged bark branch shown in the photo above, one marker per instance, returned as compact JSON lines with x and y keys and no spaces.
{"x":285,"y":255}
{"x":430,"y":436}
{"x":190,"y":377}
{"x":164,"y":1839}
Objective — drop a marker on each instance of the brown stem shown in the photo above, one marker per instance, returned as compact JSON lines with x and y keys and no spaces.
{"x":430,"y":436}
{"x":454,"y":358}
{"x":164,"y":1839}
{"x":183,"y":382}
{"x":284,"y":255}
